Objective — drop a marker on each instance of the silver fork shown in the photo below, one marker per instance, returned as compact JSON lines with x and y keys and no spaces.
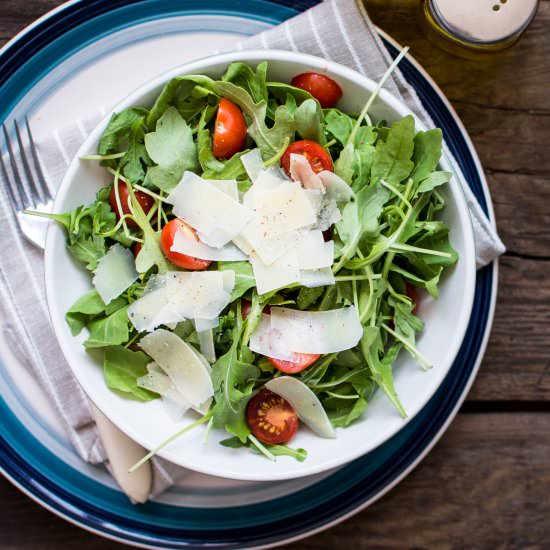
{"x":28,"y":189}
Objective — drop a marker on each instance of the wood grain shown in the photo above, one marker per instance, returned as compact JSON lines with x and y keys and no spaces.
{"x":484,"y":486}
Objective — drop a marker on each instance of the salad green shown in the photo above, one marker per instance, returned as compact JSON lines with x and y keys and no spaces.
{"x":387,"y":241}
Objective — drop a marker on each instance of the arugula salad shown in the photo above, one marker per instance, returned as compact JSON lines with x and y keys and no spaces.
{"x":258,"y":255}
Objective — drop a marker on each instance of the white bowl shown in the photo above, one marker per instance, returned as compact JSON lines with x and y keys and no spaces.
{"x":147,"y":423}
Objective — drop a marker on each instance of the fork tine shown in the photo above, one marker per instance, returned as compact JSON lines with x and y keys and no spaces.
{"x":13,"y":187}
{"x":17,"y":182}
{"x":34,"y":190}
{"x":43,"y":185}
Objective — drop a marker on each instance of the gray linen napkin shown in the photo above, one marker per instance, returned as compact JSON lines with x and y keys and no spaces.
{"x":338,"y":30}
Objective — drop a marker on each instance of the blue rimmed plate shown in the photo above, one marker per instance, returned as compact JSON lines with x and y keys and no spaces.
{"x":93,"y":53}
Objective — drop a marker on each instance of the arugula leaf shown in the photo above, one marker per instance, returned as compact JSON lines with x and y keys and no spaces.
{"x":109,"y":331}
{"x":338,"y":125}
{"x":392,"y":160}
{"x":121,"y":369}
{"x":427,"y":152}
{"x":433,"y":180}
{"x":309,"y":122}
{"x":381,"y":368}
{"x":343,"y":416}
{"x":254,"y":83}
{"x":119,"y":127}
{"x":136,"y":158}
{"x":171,"y":146}
{"x":276,"y":450}
{"x":84,"y":309}
{"x":88,"y":250}
{"x":308,"y":296}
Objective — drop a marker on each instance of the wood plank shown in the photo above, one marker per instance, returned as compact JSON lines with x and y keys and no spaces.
{"x":517,"y":361}
{"x":483,"y":486}
{"x":15,"y":15}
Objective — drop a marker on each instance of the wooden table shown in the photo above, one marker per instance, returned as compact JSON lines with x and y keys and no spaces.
{"x":486,"y":484}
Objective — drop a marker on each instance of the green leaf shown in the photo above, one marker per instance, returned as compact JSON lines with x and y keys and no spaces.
{"x":135,"y":160}
{"x":108,"y":331}
{"x":344,"y":416}
{"x":338,"y":124}
{"x":433,"y":180}
{"x":392,"y":160}
{"x":85,"y":308}
{"x":254,"y":83}
{"x":121,"y":369}
{"x":308,"y":296}
{"x":381,"y":369}
{"x":427,"y":152}
{"x":244,"y":277}
{"x":172,"y":147}
{"x":308,"y":121}
{"x":119,"y":127}
{"x":88,"y":250}
{"x":277,"y":450}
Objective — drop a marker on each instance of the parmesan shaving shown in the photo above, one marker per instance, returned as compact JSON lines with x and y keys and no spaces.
{"x":306,"y":404}
{"x":115,"y":272}
{"x":317,"y":331}
{"x":313,"y":252}
{"x":282,"y":272}
{"x":180,"y":362}
{"x":184,"y":244}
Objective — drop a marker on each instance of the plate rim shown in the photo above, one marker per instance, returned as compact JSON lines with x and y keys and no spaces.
{"x":473,"y":373}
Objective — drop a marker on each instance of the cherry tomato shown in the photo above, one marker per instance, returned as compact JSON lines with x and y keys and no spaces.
{"x":304,"y":360}
{"x":137,"y":249}
{"x":320,"y":86}
{"x":146,"y":202}
{"x":271,"y":418}
{"x":413,"y":295}
{"x":229,"y":130}
{"x":318,"y":157}
{"x":181,"y":260}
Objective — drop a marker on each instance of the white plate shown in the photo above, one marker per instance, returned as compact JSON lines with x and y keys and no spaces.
{"x":446,"y":319}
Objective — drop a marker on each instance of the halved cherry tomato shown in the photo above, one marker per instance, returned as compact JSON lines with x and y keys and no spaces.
{"x":146,"y":202}
{"x":271,"y":418}
{"x":413,"y":295}
{"x":318,"y":157}
{"x":320,"y":86}
{"x":229,"y":130}
{"x":167,"y":240}
{"x":137,"y":249}
{"x":292,"y":367}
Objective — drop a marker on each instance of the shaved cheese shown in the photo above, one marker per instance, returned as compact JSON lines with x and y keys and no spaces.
{"x":206,"y":324}
{"x":115,"y":272}
{"x":217,"y":238}
{"x":278,"y":213}
{"x":229,"y":187}
{"x":313,"y":251}
{"x":306,"y":404}
{"x":317,"y":331}
{"x":243,"y":244}
{"x":253,"y":164}
{"x":336,"y":188}
{"x":184,"y":244}
{"x":312,"y":278}
{"x":206,"y":208}
{"x":268,"y":342}
{"x":181,"y":364}
{"x":265,"y":181}
{"x":315,"y":197}
{"x":180,"y":295}
{"x":206,"y":343}
{"x":282,"y":272}
{"x":328,"y":215}
{"x":198,"y":294}
{"x":301,"y":171}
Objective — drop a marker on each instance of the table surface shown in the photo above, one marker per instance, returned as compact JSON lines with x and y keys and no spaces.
{"x":486,"y":483}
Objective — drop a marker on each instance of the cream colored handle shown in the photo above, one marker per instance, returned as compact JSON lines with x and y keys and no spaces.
{"x":123,"y":453}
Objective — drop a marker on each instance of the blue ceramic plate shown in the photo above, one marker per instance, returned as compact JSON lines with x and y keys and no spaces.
{"x":62,"y":54}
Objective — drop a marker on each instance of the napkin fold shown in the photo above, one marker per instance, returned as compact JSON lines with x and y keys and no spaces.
{"x":337,"y":30}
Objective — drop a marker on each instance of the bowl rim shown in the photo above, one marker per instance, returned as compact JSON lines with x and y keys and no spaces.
{"x":203,"y":64}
